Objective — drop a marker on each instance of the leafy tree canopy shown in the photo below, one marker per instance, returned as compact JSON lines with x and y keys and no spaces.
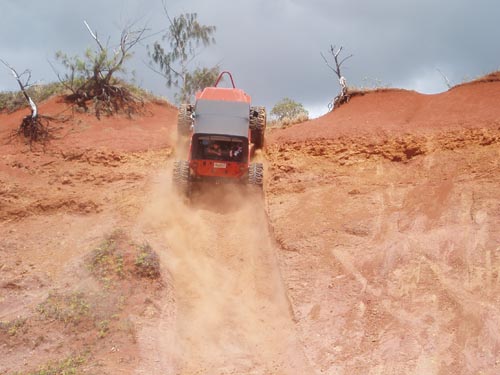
{"x":184,"y":38}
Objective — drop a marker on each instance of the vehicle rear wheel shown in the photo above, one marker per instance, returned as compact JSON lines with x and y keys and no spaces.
{"x":181,"y":178}
{"x":255,"y":174}
{"x":184,"y":120}
{"x":258,"y":125}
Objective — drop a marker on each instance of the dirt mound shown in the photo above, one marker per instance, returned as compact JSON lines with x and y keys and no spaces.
{"x":151,"y":128}
{"x":380,"y":113}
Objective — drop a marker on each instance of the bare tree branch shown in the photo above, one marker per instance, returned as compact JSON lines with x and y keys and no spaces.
{"x":93,"y":77}
{"x":61,"y":80}
{"x":150,"y":66}
{"x":94,"y":35}
{"x":34,"y":109}
{"x":344,"y":59}
{"x":128,"y":40}
{"x":335,"y":52}
{"x":445,"y":78}
{"x":343,"y":96}
{"x":33,"y":127}
{"x":327,"y":63}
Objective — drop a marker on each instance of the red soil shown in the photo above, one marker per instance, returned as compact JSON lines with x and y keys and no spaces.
{"x":375,"y":249}
{"x":151,"y":128}
{"x":387,"y":212}
{"x":399,"y":112}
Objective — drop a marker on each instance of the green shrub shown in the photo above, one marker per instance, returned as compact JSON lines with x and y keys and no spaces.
{"x":66,"y":308}
{"x":288,"y":108}
{"x":106,"y":260}
{"x":68,"y":366}
{"x":13,"y":327}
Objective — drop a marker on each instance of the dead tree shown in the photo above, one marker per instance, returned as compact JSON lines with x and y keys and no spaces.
{"x":34,"y":127}
{"x":344,"y":95}
{"x":92,"y":78}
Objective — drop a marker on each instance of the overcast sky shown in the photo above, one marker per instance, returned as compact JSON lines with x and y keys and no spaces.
{"x":273,"y":47}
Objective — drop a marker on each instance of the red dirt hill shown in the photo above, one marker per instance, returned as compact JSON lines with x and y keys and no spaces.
{"x":151,"y":128}
{"x":387,"y":215}
{"x":375,"y":250}
{"x":468,"y":106}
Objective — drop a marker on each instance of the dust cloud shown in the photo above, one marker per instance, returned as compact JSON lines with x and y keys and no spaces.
{"x":232,"y":312}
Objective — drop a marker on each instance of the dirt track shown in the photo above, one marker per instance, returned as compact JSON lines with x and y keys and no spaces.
{"x":232,"y":312}
{"x":375,"y":249}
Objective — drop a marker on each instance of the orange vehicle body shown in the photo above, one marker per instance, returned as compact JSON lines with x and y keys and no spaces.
{"x":223,"y":130}
{"x":221,"y":168}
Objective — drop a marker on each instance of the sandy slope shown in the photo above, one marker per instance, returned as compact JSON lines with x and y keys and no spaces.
{"x":375,"y":249}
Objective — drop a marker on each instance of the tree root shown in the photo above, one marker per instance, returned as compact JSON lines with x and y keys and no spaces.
{"x":35,"y":129}
{"x":106,"y":99}
{"x":339,"y":100}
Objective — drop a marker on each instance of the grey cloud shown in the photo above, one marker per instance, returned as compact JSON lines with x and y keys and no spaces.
{"x":273,"y":47}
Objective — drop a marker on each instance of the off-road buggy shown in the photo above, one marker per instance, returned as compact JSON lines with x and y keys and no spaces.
{"x":223,"y":131}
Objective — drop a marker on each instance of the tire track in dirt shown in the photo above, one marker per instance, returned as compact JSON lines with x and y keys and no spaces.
{"x":232,"y":314}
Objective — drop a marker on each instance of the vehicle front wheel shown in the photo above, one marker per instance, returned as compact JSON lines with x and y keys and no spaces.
{"x":258,"y":126}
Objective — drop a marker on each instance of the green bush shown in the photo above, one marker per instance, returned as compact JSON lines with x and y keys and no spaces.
{"x":106,"y":261}
{"x":66,"y":308}
{"x":288,"y":108}
{"x":68,"y":366}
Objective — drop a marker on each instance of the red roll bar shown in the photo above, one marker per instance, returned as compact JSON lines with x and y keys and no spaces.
{"x":220,"y":77}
